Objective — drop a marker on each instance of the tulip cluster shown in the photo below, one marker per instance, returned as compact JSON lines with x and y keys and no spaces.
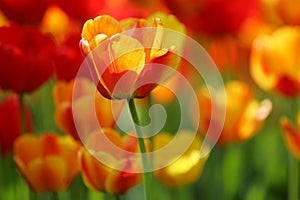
{"x":68,"y":67}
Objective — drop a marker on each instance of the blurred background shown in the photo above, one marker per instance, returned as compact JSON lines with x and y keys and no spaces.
{"x":256,"y":47}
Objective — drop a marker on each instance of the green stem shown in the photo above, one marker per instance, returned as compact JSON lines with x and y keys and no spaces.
{"x":293,"y":165}
{"x":22,"y":113}
{"x":293,"y":178}
{"x":118,"y":197}
{"x":145,"y":161}
{"x":53,"y":196}
{"x":32,"y":195}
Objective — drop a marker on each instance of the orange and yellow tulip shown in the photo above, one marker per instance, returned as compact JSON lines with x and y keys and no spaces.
{"x":275,"y":61}
{"x":66,"y":106}
{"x":244,"y":114}
{"x":185,"y":169}
{"x":136,"y":54}
{"x":108,"y":177}
{"x":291,"y":135}
{"x":47,"y":162}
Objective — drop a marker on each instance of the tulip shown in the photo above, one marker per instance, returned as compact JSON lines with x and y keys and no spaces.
{"x":74,"y":115}
{"x":186,"y":168}
{"x":81,"y":10}
{"x":116,"y":176}
{"x":58,"y":23}
{"x":68,"y":58}
{"x":25,"y":11}
{"x":132,"y":57}
{"x":47,"y":162}
{"x":289,"y":11}
{"x":10,"y":123}
{"x":244,"y":114}
{"x":213,"y":17}
{"x":291,"y":135}
{"x":26,"y":57}
{"x":274,"y":61}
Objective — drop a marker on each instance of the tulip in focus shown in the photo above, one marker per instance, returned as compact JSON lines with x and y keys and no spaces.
{"x":245,"y":115}
{"x":107,"y":178}
{"x":291,"y":135}
{"x":275,"y":61}
{"x":186,"y":168}
{"x":47,"y":162}
{"x":128,"y":60}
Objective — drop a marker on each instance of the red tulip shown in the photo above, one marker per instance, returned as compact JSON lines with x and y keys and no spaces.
{"x":26,"y":57}
{"x":81,"y":9}
{"x":68,"y":58}
{"x":10,"y":123}
{"x":212,"y":16}
{"x":24,"y":11}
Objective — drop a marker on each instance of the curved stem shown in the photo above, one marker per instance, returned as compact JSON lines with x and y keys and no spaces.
{"x":145,"y":161}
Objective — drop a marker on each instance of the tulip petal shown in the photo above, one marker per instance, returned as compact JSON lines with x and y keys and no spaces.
{"x":118,"y":182}
{"x":291,"y":137}
{"x":47,"y":174}
{"x":127,"y":54}
{"x":100,"y":25}
{"x":98,"y":29}
{"x":94,"y":173}
{"x":22,"y":151}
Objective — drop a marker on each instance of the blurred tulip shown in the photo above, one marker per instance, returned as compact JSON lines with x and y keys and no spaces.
{"x":106,"y":178}
{"x":291,"y":135}
{"x":24,"y":11}
{"x":68,"y":58}
{"x":134,"y":54}
{"x":225,"y":52}
{"x":182,"y":170}
{"x":275,"y":61}
{"x":244,"y":114}
{"x":59,"y":24}
{"x":3,"y":19}
{"x":289,"y":11}
{"x":81,"y":10}
{"x":213,"y":16}
{"x":26,"y":57}
{"x":165,"y":95}
{"x":67,"y":106}
{"x":10,"y":123}
{"x":47,"y":162}
{"x":129,"y":9}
